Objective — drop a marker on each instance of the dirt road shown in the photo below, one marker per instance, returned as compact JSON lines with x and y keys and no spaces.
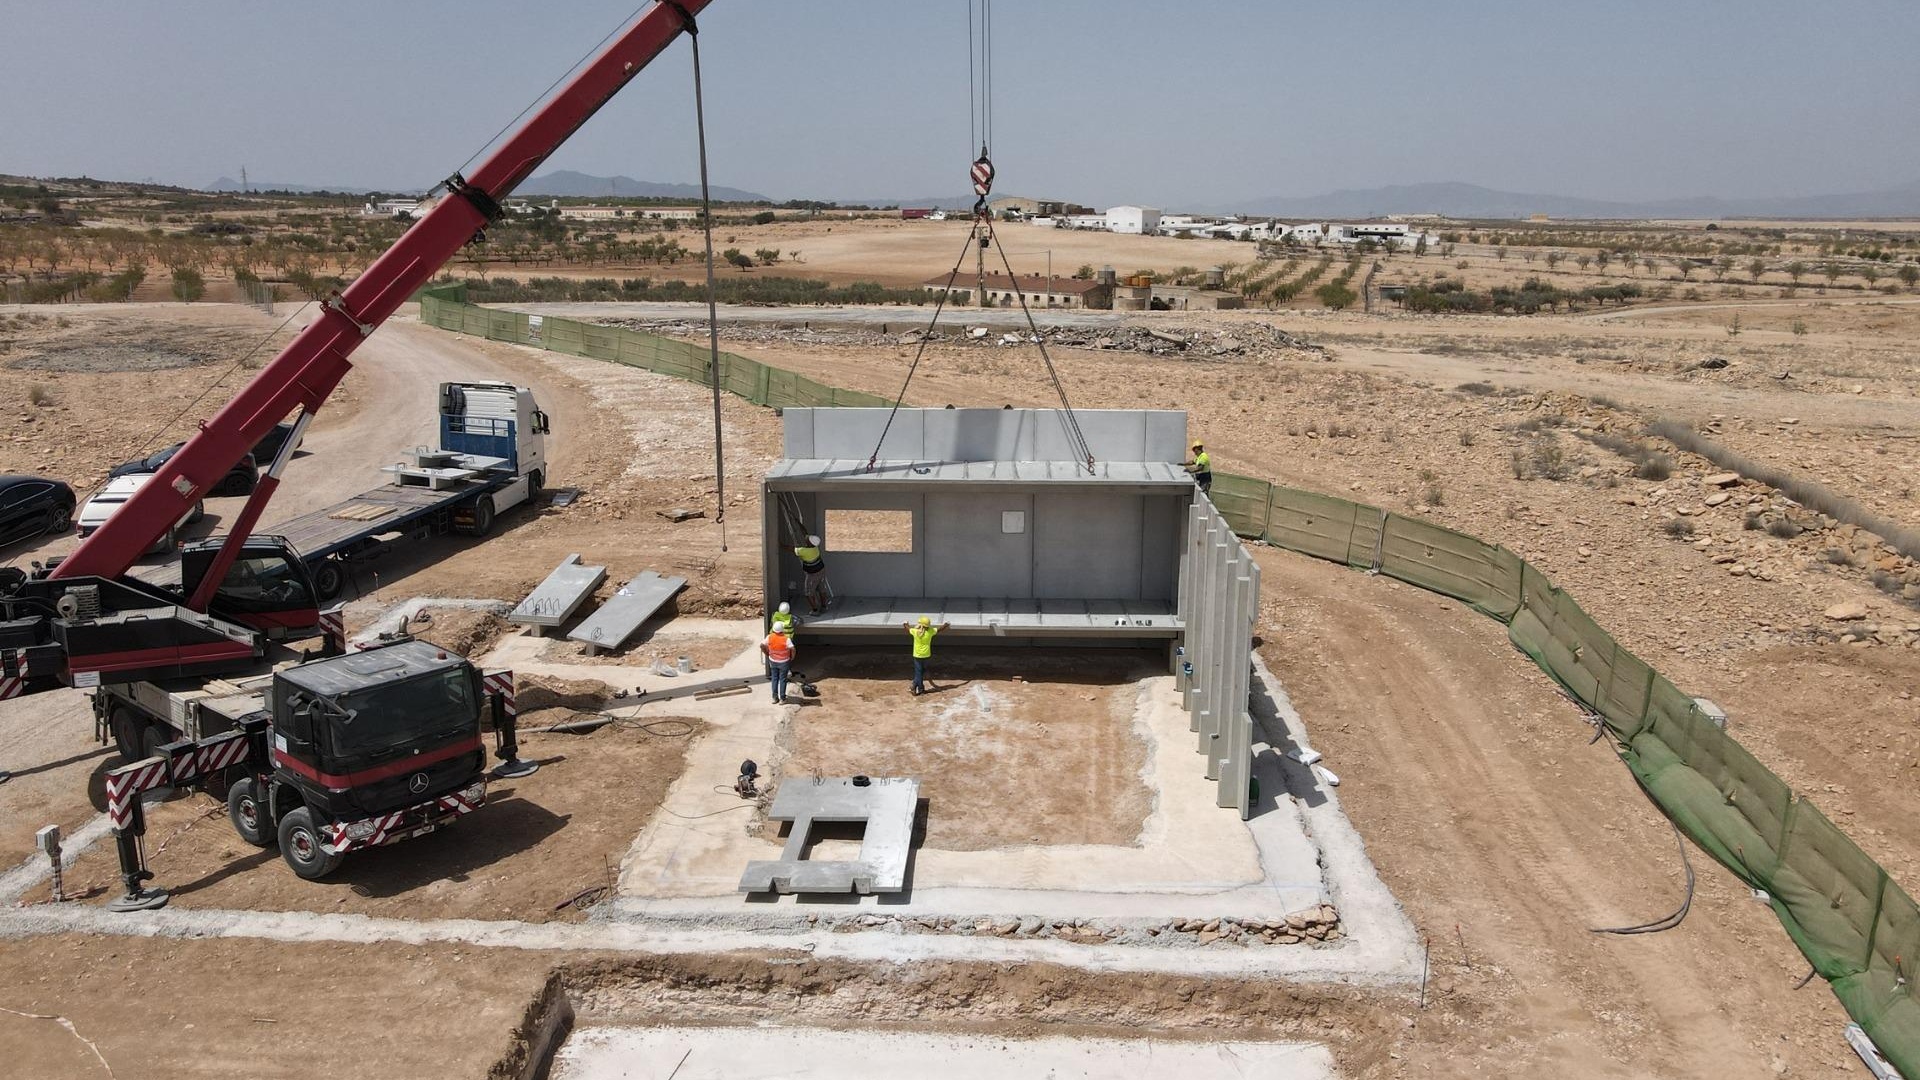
{"x":1506,"y":836}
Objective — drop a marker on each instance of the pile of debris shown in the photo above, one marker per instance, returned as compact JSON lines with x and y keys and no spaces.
{"x":1251,"y":339}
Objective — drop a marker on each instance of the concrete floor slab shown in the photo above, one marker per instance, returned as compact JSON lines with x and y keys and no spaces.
{"x":884,"y":806}
{"x":722,"y":1053}
{"x":1191,"y":859}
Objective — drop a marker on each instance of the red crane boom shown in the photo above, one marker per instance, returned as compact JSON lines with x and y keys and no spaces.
{"x":313,"y":363}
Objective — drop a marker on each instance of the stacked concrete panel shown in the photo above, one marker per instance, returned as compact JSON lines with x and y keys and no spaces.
{"x":1219,"y":604}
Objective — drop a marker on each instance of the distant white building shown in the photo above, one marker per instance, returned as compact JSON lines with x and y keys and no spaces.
{"x":1085,"y":221}
{"x":392,"y":208}
{"x":1134,"y":220}
{"x":1388,"y":234}
{"x":1309,"y":233}
{"x":587,"y":213}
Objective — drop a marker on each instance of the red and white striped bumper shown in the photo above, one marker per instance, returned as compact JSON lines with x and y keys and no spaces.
{"x":345,"y":836}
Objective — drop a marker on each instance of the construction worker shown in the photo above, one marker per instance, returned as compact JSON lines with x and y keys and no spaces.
{"x":922,"y":633}
{"x":777,"y":650}
{"x":782,"y":621}
{"x":1201,"y":466}
{"x":814,"y":563}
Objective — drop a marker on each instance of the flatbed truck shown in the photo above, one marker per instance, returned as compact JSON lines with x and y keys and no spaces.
{"x":491,"y":457}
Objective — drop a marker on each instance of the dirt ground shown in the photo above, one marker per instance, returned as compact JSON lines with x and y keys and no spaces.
{"x":1027,"y":748}
{"x":59,"y":772}
{"x":1503,"y":832}
{"x":1506,"y":836}
{"x":661,"y":645}
{"x":163,"y":1008}
{"x":539,"y":842}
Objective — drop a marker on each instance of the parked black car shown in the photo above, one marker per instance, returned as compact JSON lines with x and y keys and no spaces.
{"x":32,"y":506}
{"x":239,"y":480}
{"x":270,"y":443}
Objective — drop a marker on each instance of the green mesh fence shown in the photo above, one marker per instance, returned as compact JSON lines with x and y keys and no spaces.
{"x":1856,"y":926}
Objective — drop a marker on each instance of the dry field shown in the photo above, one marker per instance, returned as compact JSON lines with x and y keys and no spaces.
{"x":1499,"y":829}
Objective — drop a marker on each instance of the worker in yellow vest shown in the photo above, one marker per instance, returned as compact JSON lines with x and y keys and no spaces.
{"x":778,"y":651}
{"x":1201,"y":466}
{"x":922,"y":633}
{"x":782,"y":621}
{"x":813,"y":563}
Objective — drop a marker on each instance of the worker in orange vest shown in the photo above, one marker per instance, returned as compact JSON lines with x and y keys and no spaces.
{"x":777,"y":650}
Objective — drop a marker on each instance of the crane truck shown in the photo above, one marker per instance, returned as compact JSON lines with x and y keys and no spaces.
{"x":323,"y":754}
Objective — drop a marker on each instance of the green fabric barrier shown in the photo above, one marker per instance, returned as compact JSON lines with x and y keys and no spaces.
{"x":1886,"y":989}
{"x":1319,"y":525}
{"x":1443,"y":561}
{"x":1242,"y":502}
{"x":1854,"y":924}
{"x":1826,"y":892}
{"x":563,"y":336}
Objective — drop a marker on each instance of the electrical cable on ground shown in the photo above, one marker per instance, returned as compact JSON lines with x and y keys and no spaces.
{"x":1665,"y":922}
{"x":588,"y":721}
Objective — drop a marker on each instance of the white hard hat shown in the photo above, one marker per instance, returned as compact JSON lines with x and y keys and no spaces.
{"x":785,"y":608}
{"x":814,"y":541}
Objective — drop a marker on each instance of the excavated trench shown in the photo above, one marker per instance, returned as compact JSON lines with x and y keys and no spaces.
{"x":1004,"y":1001}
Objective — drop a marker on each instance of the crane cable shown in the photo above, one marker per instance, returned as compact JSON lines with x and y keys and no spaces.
{"x":980,"y":125}
{"x":713,"y":311}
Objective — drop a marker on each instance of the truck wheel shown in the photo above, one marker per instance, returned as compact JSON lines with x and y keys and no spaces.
{"x":248,"y":813}
{"x":300,"y":845}
{"x":126,"y":728}
{"x":536,"y":482}
{"x":482,"y":517}
{"x":328,"y":578}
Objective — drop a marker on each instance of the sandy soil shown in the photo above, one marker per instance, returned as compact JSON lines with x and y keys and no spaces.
{"x":59,"y":773}
{"x":1024,"y":748}
{"x":538,"y":842}
{"x":1506,"y":836}
{"x":661,"y":645}
{"x":248,"y":1010}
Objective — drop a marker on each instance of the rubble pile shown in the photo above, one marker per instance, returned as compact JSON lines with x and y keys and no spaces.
{"x":1251,"y":340}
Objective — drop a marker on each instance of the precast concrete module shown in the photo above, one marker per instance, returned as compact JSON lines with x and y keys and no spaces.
{"x":989,"y":520}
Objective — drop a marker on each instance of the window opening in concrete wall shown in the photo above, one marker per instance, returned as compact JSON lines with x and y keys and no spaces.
{"x":1013,"y":522}
{"x":882,"y":531}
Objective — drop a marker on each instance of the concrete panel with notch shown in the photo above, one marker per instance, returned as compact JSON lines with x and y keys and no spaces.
{"x":555,"y":600}
{"x":885,"y":805}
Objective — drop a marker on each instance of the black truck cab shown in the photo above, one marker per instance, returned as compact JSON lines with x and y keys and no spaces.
{"x":368,"y":748}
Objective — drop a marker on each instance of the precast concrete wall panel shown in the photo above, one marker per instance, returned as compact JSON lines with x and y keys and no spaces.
{"x":989,"y":435}
{"x":1159,"y":548}
{"x":1088,"y":546}
{"x":967,"y":554}
{"x":1219,"y":601}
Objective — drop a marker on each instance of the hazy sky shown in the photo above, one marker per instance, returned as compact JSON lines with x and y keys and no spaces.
{"x":1173,"y":104}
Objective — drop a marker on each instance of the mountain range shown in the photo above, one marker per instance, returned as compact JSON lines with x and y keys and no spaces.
{"x":565,"y":182}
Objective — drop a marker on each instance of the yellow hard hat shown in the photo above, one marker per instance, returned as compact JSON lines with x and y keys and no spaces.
{"x":924,"y":621}
{"x":1196,"y":446}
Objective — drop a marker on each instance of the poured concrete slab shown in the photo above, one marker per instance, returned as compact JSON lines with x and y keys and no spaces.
{"x":559,"y":596}
{"x":885,"y":805}
{"x":727,"y":1053}
{"x":624,"y":612}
